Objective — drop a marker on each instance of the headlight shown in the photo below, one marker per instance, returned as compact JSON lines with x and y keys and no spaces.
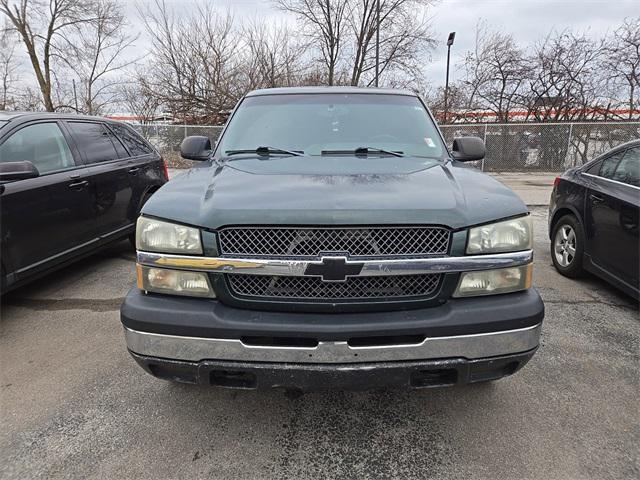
{"x":508,"y":236}
{"x":175,"y":282}
{"x":490,"y":282}
{"x":156,"y":236}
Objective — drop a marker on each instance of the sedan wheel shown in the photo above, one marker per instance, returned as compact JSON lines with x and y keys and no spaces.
{"x":565,"y":245}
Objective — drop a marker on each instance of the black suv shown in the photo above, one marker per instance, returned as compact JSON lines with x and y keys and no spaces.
{"x":332,"y":240}
{"x":69,"y":184}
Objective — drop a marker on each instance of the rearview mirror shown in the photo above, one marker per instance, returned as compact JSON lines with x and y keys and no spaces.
{"x":196,"y":147}
{"x":10,"y":171}
{"x":468,"y":149}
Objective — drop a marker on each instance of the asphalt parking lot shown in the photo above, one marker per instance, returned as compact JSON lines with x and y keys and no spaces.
{"x":75,"y":405}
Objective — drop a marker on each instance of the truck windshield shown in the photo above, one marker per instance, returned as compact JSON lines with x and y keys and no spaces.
{"x":317,"y":123}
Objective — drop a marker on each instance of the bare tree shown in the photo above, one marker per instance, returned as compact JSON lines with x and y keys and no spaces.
{"x":139,"y":101}
{"x":326,"y":22}
{"x":273,"y":56}
{"x":495,"y":73}
{"x":29,"y":99}
{"x":42,"y":25}
{"x":568,"y":84}
{"x":405,"y":40}
{"x":194,"y":66}
{"x":8,"y":67}
{"x":95,"y":55}
{"x":622,"y":63}
{"x":456,"y":100}
{"x":345,"y":32}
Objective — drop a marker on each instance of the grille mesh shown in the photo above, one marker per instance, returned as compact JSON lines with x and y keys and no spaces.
{"x":313,"y":288}
{"x":357,"y":242}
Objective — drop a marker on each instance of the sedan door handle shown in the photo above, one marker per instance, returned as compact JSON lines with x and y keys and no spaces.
{"x":596,"y":198}
{"x":79,"y":185}
{"x":134,"y":170}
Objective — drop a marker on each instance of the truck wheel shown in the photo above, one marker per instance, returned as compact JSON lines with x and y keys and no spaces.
{"x":567,"y":246}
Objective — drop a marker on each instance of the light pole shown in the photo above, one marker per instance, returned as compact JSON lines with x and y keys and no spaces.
{"x":377,"y":40}
{"x":452,"y":36}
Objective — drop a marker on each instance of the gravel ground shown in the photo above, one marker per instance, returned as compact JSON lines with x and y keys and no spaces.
{"x":75,"y":405}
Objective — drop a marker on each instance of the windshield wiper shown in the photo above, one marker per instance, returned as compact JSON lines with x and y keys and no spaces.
{"x":266,"y":151}
{"x":362,"y":151}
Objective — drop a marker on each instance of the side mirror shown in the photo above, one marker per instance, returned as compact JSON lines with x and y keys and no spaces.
{"x":196,"y":147}
{"x":10,"y":171}
{"x":468,"y":149}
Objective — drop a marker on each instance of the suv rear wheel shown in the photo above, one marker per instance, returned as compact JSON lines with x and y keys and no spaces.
{"x":567,"y":246}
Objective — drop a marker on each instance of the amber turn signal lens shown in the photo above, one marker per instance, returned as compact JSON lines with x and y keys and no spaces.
{"x":139,"y":276}
{"x":492,"y":282}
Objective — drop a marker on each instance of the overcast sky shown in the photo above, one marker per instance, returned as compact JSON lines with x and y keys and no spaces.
{"x":526,"y":20}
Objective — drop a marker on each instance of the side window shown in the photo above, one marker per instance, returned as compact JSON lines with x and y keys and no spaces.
{"x":595,"y":168}
{"x":94,"y":141}
{"x":122,"y":152}
{"x":42,"y":144}
{"x":134,"y":143}
{"x":628,"y":170}
{"x":609,"y":165}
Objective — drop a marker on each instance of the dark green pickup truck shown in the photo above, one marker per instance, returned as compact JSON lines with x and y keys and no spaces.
{"x":330,"y":239}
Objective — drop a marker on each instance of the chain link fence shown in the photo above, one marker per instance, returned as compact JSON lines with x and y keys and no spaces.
{"x":547,"y":147}
{"x":167,"y":139}
{"x":516,"y":147}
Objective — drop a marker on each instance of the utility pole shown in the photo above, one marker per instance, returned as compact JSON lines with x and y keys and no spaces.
{"x":452,"y":36}
{"x":377,"y":40}
{"x":75,"y":95}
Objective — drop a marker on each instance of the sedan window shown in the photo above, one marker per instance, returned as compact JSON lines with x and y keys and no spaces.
{"x":594,"y":169}
{"x":609,"y":165}
{"x":42,"y":144}
{"x":628,"y":170}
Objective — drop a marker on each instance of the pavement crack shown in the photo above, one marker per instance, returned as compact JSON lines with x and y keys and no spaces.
{"x":50,"y":304}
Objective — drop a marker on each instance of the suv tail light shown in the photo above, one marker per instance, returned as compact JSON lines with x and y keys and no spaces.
{"x":166,"y":169}
{"x":556,"y":181}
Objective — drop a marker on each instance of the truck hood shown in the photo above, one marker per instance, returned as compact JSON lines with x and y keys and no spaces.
{"x":333,"y":191}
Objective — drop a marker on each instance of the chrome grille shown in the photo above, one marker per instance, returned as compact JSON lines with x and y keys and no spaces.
{"x":357,"y":242}
{"x":354,"y":288}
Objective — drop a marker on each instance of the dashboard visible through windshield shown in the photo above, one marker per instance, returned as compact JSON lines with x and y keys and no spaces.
{"x":317,"y":124}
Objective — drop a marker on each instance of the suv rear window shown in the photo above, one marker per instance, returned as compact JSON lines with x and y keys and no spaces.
{"x":134,"y":143}
{"x":94,"y":141}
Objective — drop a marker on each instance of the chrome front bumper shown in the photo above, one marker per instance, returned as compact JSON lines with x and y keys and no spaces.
{"x":195,"y":349}
{"x":370,"y":268}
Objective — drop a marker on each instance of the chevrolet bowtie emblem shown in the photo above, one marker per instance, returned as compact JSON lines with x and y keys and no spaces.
{"x":334,"y":269}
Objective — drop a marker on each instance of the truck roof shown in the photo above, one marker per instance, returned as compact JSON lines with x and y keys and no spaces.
{"x":317,"y":90}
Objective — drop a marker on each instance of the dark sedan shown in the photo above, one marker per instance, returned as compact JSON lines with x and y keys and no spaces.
{"x":69,"y":184}
{"x":593,"y":219}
